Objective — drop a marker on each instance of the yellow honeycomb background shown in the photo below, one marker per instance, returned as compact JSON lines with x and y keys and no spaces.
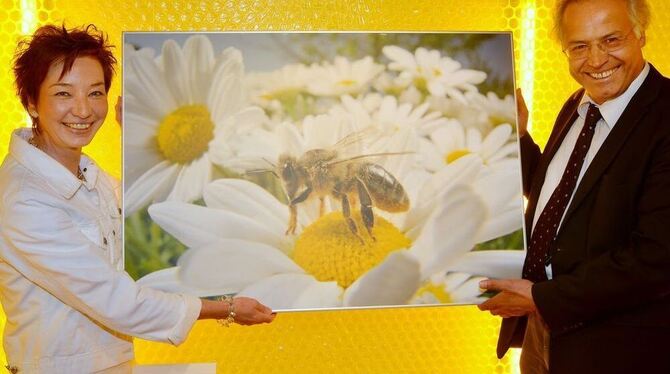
{"x":410,"y":340}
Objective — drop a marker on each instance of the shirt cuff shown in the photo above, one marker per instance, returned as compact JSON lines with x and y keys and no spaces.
{"x":190,"y":311}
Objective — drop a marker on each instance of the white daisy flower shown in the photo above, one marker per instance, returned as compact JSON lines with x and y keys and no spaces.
{"x":429,"y":70}
{"x":498,"y":110}
{"x":388,"y":115}
{"x":237,"y":244}
{"x":280,"y":92}
{"x":181,"y":114}
{"x":343,"y":77}
{"x":453,"y":140}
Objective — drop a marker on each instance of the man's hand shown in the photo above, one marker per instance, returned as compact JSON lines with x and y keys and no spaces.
{"x":522,"y":113}
{"x":515,"y":298}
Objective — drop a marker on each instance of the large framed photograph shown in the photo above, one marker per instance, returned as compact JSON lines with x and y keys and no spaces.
{"x":322,"y":170}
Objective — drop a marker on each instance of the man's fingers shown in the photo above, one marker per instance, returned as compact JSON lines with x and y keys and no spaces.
{"x":495,"y":284}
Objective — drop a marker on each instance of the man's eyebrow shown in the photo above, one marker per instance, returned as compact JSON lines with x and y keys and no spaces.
{"x":613,"y":33}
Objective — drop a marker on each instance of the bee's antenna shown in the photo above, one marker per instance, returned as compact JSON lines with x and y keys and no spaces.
{"x":260,"y":171}
{"x":270,"y":162}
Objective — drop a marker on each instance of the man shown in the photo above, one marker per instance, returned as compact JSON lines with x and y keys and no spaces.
{"x":595,"y":297}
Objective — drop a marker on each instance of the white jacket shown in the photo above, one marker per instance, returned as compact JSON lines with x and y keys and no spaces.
{"x":70,"y":306}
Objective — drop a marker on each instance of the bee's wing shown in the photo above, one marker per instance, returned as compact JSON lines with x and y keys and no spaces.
{"x":370,"y":155}
{"x":355,"y":142}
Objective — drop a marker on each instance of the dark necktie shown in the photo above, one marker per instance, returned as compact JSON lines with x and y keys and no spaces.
{"x":544,"y":232}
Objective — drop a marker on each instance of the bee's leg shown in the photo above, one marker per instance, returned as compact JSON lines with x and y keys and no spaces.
{"x":302,"y":197}
{"x":346,"y":212}
{"x":366,"y":208}
{"x":322,"y":206}
{"x":293,"y":210}
{"x":292,"y":219}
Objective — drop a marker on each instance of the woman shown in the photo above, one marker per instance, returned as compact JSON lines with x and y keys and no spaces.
{"x":70,"y":307}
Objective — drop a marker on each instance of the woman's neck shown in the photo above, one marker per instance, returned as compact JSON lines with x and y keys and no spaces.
{"x":68,"y":157}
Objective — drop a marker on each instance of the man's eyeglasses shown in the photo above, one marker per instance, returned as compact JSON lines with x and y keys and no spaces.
{"x":580,"y":51}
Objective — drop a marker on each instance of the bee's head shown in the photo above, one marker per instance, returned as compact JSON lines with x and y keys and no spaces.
{"x":289,"y":173}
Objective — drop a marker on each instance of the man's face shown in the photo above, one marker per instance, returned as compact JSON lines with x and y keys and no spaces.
{"x":604,"y":75}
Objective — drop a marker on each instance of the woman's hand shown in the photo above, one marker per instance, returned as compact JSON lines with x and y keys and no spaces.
{"x":119,"y":111}
{"x":248,"y":311}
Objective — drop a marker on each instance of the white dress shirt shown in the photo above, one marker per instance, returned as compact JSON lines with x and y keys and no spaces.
{"x":70,"y":306}
{"x":611,"y":111}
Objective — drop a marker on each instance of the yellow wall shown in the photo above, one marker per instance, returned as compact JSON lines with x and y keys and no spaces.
{"x":453,"y":339}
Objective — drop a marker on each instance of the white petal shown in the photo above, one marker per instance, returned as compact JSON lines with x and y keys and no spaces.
{"x":402,"y":59}
{"x":454,"y":279}
{"x":175,"y":67}
{"x":450,"y":231}
{"x":191,"y":180}
{"x":393,"y":282}
{"x":321,"y":294}
{"x":510,"y":149}
{"x":134,"y":108}
{"x":166,"y":280}
{"x":153,"y":185}
{"x":247,"y":199}
{"x":196,"y":226}
{"x":200,"y":60}
{"x":149,"y":87}
{"x":461,"y":171}
{"x":499,"y":189}
{"x":138,"y":160}
{"x":284,"y":291}
{"x":501,"y":224}
{"x":495,"y":139}
{"x":225,"y":97}
{"x":468,"y":292}
{"x":499,"y":264}
{"x":232,"y":265}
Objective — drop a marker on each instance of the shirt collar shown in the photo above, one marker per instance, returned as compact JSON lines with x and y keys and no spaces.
{"x":611,"y":110}
{"x":55,"y":174}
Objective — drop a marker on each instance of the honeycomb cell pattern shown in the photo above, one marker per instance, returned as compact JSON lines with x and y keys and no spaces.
{"x":409,"y":340}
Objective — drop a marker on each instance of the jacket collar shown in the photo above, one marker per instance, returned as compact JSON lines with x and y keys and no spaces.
{"x":50,"y":170}
{"x":634,"y":111}
{"x":637,"y":108}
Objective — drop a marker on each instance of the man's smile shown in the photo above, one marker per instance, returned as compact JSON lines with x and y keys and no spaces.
{"x":603,"y":74}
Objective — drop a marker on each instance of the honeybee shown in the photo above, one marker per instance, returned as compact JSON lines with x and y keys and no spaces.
{"x":322,"y":172}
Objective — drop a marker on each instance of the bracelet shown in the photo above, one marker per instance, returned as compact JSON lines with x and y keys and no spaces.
{"x":231,"y":311}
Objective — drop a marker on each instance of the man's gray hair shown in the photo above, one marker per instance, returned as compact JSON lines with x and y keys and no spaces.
{"x":638,"y":12}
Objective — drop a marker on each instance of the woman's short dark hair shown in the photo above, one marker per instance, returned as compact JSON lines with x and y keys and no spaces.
{"x":52,"y":44}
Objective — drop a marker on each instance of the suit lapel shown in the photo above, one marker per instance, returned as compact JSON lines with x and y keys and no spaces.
{"x":635,"y":110}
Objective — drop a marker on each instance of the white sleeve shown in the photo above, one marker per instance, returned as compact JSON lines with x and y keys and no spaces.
{"x":46,"y":247}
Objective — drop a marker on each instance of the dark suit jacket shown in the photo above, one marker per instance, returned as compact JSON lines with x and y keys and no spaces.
{"x":608,"y":304}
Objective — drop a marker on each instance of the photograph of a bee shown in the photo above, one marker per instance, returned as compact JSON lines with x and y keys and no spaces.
{"x":322,"y":170}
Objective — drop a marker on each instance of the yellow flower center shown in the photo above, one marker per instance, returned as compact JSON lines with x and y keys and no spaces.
{"x":437,"y":291}
{"x":421,"y":84}
{"x":184,"y":134}
{"x":346,"y":82}
{"x":329,"y":251}
{"x":455,"y":155}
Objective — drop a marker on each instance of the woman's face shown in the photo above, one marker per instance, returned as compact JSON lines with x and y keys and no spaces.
{"x":70,"y":110}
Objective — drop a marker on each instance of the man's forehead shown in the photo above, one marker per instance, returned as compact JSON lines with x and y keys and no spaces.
{"x":594,"y":19}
